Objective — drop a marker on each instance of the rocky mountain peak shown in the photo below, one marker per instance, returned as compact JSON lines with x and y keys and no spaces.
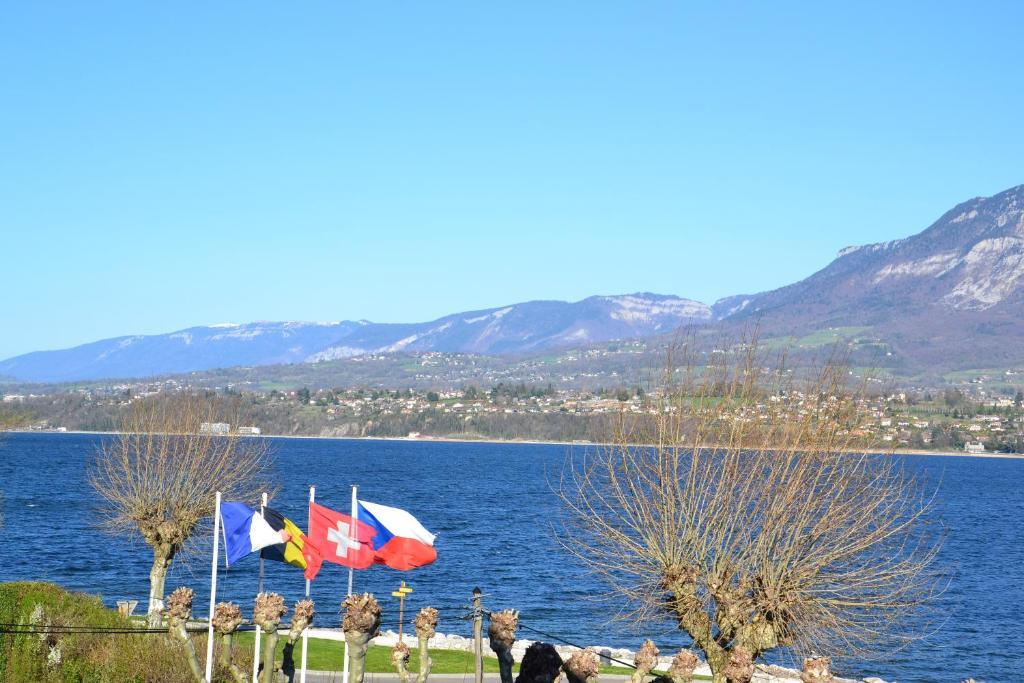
{"x":971,"y":258}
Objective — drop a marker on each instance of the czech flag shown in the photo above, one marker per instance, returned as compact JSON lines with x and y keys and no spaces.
{"x":399,"y":541}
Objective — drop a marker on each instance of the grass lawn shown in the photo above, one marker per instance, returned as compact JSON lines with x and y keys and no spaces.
{"x":830,"y":335}
{"x":967,"y":375}
{"x":818,"y":338}
{"x":777,"y":343}
{"x":326,"y":655}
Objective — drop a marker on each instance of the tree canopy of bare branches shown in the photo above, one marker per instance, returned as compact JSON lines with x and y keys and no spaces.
{"x":748,"y":517}
{"x":157,"y":477}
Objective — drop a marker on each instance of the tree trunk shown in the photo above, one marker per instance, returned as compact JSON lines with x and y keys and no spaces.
{"x":157,"y":577}
{"x":425,"y":661}
{"x":227,"y":660}
{"x":816,"y":670}
{"x":502,"y":635}
{"x":681,"y":669}
{"x":267,"y":613}
{"x":504,"y":663}
{"x":400,"y":660}
{"x":740,"y":668}
{"x":645,"y":660}
{"x":358,"y":642}
{"x":583,"y":667}
{"x":425,"y":624}
{"x":269,"y":651}
{"x":717,"y":661}
{"x":360,"y":624}
{"x":177,"y":630}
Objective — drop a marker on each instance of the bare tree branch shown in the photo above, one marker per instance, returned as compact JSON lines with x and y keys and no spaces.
{"x":747,"y":514}
{"x":157,"y":477}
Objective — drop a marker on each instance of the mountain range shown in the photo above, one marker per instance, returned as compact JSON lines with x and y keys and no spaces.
{"x":950,"y":297}
{"x":519,"y":328}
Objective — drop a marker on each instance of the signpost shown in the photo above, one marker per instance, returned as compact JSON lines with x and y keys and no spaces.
{"x":402,"y":591}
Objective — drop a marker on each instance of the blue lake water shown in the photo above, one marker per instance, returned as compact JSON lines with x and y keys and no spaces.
{"x":492,"y":507}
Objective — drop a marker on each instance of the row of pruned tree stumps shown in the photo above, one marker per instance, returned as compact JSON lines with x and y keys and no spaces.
{"x":542,"y":663}
{"x":425,"y":625}
{"x":361,"y":623}
{"x":227,"y":617}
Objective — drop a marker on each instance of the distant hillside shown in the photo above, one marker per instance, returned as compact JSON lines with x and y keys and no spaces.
{"x":531,"y":326}
{"x":951,"y":296}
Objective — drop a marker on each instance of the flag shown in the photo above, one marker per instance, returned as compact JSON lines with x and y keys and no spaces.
{"x":244,"y":531}
{"x":331,"y":534}
{"x":399,"y":540}
{"x":296,"y":551}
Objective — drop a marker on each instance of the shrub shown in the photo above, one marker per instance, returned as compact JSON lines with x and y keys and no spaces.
{"x":84,"y":657}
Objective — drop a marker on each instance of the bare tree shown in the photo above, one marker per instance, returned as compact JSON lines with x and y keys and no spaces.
{"x":179,"y":611}
{"x":502,"y":635}
{"x":426,"y":627}
{"x":227,"y":617}
{"x":267,"y":615}
{"x":749,"y":517}
{"x":360,"y":624}
{"x":157,"y":477}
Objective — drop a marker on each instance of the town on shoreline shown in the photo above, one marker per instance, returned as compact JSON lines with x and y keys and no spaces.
{"x":926,"y":422}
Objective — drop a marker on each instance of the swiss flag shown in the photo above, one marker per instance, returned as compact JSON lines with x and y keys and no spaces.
{"x":332,"y":535}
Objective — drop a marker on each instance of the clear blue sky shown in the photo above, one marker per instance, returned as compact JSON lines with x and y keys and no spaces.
{"x":170,"y":164}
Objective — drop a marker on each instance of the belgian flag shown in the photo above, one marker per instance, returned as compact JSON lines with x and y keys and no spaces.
{"x":297,"y":551}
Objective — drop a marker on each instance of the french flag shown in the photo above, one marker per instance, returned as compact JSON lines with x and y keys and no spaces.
{"x":245,"y":531}
{"x":399,"y":540}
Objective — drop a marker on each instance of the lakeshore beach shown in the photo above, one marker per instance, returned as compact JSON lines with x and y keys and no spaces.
{"x":529,"y":442}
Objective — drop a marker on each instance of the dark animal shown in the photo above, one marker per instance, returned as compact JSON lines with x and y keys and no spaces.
{"x":541,"y":664}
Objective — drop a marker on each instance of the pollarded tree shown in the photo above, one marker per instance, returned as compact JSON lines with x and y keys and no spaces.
{"x":157,"y":477}
{"x":751,"y":519}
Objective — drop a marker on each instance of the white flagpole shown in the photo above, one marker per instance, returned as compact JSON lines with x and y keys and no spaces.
{"x":353,"y":533}
{"x":213,"y":587}
{"x":256,"y":648}
{"x":305,"y":634}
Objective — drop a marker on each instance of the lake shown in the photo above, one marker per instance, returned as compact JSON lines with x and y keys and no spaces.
{"x":491,"y":507}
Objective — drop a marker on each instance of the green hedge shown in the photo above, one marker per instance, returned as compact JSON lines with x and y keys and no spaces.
{"x":79,"y":657}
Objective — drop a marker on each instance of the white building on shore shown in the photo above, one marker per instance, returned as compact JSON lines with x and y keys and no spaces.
{"x":218,"y":428}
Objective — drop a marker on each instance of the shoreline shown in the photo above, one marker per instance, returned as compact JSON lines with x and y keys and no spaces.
{"x":537,"y":442}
